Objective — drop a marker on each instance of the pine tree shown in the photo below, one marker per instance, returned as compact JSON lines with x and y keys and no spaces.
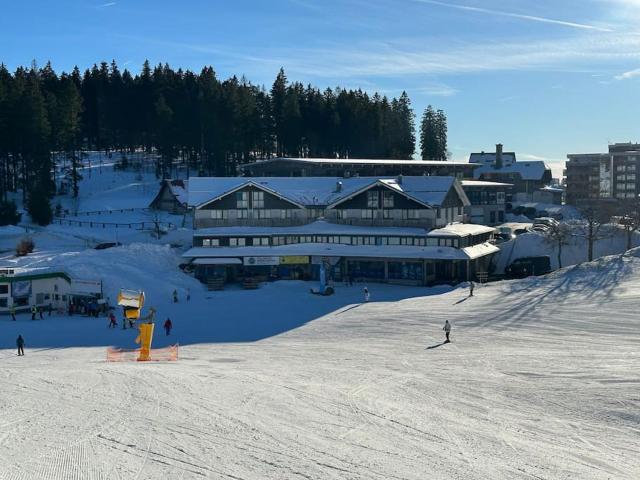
{"x":278,"y":96}
{"x":441,"y":135}
{"x":428,"y":135}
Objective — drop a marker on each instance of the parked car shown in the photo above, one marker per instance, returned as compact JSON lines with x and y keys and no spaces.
{"x":526,"y":266}
{"x":547,"y":221}
{"x":104,"y":246}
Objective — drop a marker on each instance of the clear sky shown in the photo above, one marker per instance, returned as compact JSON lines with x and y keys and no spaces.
{"x":543,"y":77}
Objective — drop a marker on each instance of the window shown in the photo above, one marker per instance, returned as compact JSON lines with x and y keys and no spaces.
{"x":372,"y":199}
{"x":242,"y":200}
{"x":411,"y":214}
{"x":206,"y":242}
{"x":387,"y":213}
{"x":394,"y":240}
{"x":237,"y":242}
{"x":260,"y":241}
{"x":263,"y":213}
{"x":345,"y":240}
{"x":243,"y":213}
{"x":3,"y":302}
{"x":257,"y":199}
{"x":4,"y":289}
{"x":387,"y":199}
{"x":500,"y":196}
{"x":420,"y":242}
{"x":492,"y":217}
{"x":366,"y":213}
{"x":217,"y":214}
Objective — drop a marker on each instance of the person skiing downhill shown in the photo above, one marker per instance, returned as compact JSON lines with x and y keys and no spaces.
{"x":366,"y":294}
{"x":167,"y":326}
{"x":447,"y":330}
{"x":20,"y":344}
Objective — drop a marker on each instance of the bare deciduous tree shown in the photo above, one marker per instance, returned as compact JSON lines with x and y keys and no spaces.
{"x":559,"y":235}
{"x":629,"y":211}
{"x":595,"y":224}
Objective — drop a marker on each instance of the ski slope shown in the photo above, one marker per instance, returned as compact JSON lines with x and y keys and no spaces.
{"x":541,"y":381}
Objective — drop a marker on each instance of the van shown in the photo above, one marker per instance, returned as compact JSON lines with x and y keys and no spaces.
{"x":526,"y":266}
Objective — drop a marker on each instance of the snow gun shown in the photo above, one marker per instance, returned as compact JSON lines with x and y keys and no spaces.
{"x":131,"y":301}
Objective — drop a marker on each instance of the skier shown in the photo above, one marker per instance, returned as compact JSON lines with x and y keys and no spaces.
{"x":20,"y":344}
{"x":112,"y":321}
{"x":175,"y":296}
{"x":447,"y":330}
{"x":471,"y":287}
{"x":366,"y":294}
{"x":34,"y":310}
{"x":13,"y":312}
{"x":40,"y":312}
{"x":167,"y":326}
{"x":188,"y":294}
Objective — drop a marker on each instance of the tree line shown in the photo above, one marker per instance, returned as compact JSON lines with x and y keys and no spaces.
{"x":194,"y":119}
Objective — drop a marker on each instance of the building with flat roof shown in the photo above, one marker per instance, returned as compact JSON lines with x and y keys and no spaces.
{"x":341,"y":167}
{"x":604,"y":176}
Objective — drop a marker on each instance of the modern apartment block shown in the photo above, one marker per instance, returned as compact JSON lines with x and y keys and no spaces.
{"x":611,"y":175}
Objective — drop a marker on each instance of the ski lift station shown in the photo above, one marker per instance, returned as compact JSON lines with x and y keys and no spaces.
{"x":23,"y":289}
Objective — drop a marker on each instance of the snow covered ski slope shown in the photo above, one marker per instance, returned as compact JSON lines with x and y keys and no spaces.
{"x":541,"y":382}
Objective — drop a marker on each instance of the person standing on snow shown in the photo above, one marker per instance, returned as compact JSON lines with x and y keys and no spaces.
{"x":34,"y":310}
{"x":366,"y":294}
{"x":112,"y":321}
{"x":167,"y":326}
{"x":20,"y":344}
{"x":13,"y":312}
{"x":40,"y":312}
{"x":175,"y":296}
{"x":447,"y":330}
{"x":471,"y":287}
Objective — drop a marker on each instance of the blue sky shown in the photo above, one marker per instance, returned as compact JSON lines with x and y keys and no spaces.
{"x":544,"y":77}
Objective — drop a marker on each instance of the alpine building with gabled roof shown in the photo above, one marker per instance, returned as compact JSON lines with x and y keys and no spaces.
{"x":388,"y":229}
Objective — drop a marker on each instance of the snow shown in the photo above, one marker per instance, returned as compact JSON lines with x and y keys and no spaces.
{"x":340,"y":250}
{"x":539,"y":382}
{"x":528,"y":169}
{"x":320,"y":191}
{"x":460,"y":230}
{"x":482,"y":183}
{"x":319,"y":227}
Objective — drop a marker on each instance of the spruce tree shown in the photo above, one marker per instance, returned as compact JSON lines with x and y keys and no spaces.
{"x":428,"y":135}
{"x":441,"y":135}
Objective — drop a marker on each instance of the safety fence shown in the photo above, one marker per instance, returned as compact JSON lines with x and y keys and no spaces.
{"x":166,"y":354}
{"x":102,"y":212}
{"x":164,"y":226}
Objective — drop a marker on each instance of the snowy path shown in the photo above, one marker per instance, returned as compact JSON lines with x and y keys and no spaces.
{"x":540,"y":384}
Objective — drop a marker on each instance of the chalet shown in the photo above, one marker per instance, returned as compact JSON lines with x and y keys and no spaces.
{"x":172,"y":197}
{"x":398,"y":229}
{"x":526,"y":176}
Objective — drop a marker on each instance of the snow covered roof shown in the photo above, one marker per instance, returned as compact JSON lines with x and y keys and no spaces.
{"x":460,"y":230}
{"x":319,"y":227}
{"x":322,"y":191}
{"x":179,"y":189}
{"x":339,"y":250}
{"x":489,"y":158}
{"x":356,"y":161}
{"x":483,"y":183}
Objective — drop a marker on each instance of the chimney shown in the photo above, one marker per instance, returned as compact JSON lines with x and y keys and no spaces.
{"x":338,"y":186}
{"x":498,"y":163}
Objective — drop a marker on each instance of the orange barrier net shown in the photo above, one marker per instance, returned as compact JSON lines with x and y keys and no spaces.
{"x":167,"y":354}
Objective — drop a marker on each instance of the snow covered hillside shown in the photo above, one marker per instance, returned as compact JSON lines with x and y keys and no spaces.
{"x":541,"y":381}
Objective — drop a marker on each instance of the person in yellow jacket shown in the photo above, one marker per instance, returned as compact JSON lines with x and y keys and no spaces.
{"x":34,"y":310}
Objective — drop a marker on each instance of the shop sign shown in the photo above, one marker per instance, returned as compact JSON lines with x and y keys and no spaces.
{"x":260,"y":261}
{"x":294,"y":260}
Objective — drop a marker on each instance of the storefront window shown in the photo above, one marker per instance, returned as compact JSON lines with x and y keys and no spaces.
{"x":405,"y":271}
